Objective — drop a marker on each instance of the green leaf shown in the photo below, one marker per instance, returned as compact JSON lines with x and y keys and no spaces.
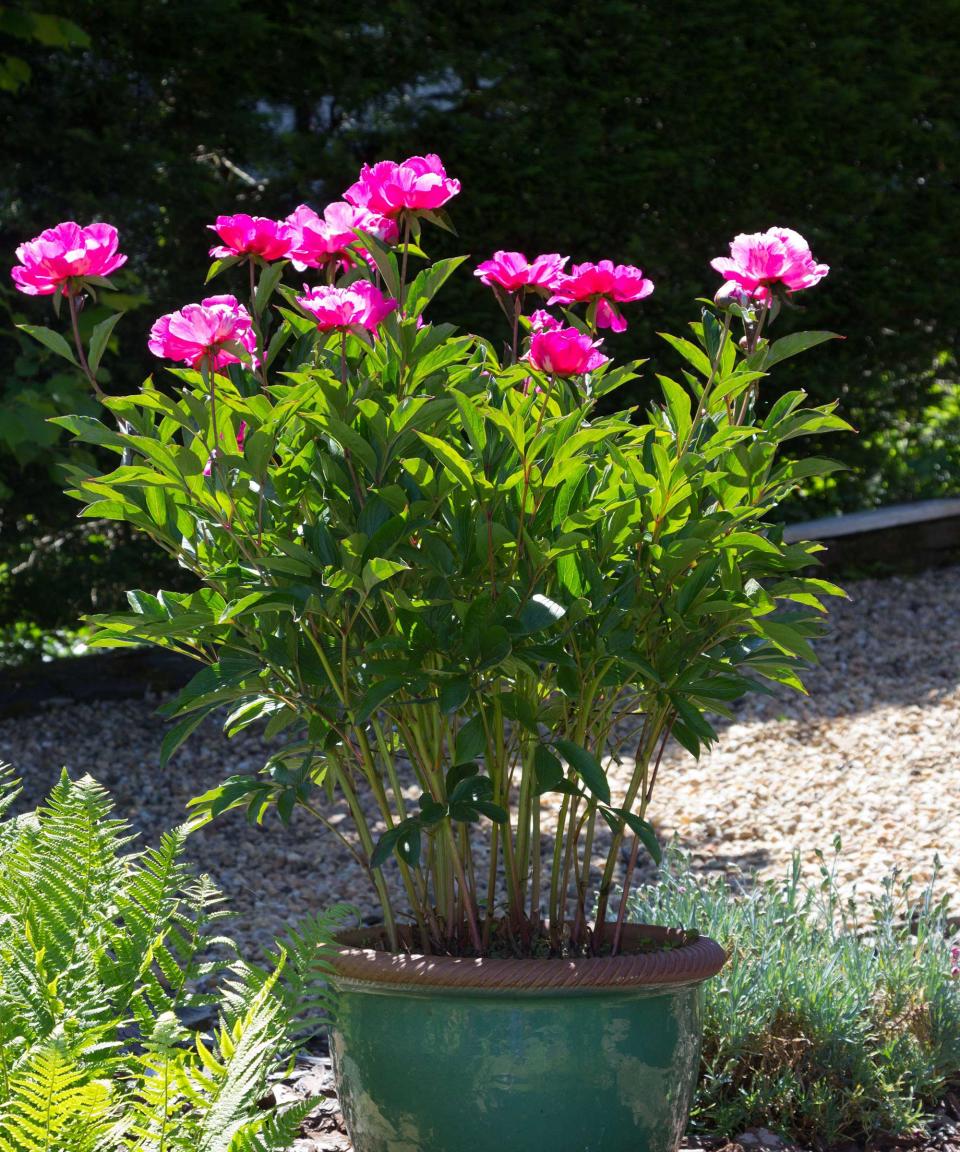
{"x":384,"y":847}
{"x":270,"y":277}
{"x":696,"y":582}
{"x":90,"y":431}
{"x":178,"y":733}
{"x":540,"y":612}
{"x":679,"y":406}
{"x":376,"y":570}
{"x":450,"y":458}
{"x":408,"y":843}
{"x":794,"y":344}
{"x":454,"y":694}
{"x":404,"y":839}
{"x":690,"y":352}
{"x":99,"y":339}
{"x":428,"y":282}
{"x":547,"y":770}
{"x":219,"y":266}
{"x":492,"y":811}
{"x":587,"y":767}
{"x":52,"y":340}
{"x":645,"y":831}
{"x":385,"y":261}
{"x":471,"y":742}
{"x":375,"y":696}
{"x":458,"y":773}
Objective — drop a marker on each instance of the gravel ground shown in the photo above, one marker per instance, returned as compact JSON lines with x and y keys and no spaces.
{"x":870,"y":755}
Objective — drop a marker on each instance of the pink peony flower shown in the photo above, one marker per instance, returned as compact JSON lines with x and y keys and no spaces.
{"x":63,"y":253}
{"x":200,"y":332}
{"x":418,"y":184}
{"x":361,"y":306}
{"x":542,"y":321}
{"x":319,"y":238}
{"x":244,"y":235}
{"x":511,"y":271}
{"x":603,"y":282}
{"x":777,"y":256}
{"x":564,"y":352}
{"x":241,"y":436}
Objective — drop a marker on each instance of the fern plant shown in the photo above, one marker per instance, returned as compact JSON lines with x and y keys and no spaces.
{"x":103,"y":951}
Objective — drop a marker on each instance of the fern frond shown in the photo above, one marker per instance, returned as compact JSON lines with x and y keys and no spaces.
{"x":304,"y":985}
{"x":54,"y":1104}
{"x":104,"y":948}
{"x":246,"y":1051}
{"x":274,"y":1131}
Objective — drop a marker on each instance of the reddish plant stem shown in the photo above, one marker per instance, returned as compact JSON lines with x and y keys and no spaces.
{"x":635,"y":850}
{"x":402,"y":302}
{"x":78,"y":344}
{"x":257,"y":328}
{"x":517,"y":309}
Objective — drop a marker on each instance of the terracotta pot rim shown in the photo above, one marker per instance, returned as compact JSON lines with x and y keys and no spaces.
{"x":687,"y":964}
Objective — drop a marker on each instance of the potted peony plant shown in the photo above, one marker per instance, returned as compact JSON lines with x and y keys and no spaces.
{"x":461,"y":587}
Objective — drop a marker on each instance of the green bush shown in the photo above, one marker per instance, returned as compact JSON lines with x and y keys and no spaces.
{"x":102,"y":953}
{"x":826,"y":1025}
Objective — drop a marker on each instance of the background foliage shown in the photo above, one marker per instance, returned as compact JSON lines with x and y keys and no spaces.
{"x":615,"y":129}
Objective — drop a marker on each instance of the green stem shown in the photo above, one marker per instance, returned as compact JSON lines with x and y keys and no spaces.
{"x":556,"y":913}
{"x":653,"y":728}
{"x":701,"y":406}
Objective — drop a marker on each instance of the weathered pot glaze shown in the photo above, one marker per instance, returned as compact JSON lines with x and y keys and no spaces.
{"x":434,"y":1054}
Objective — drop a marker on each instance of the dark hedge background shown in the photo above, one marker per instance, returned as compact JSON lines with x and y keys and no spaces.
{"x":647,"y":132}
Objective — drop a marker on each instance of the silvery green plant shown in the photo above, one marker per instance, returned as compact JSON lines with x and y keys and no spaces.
{"x":428,"y":561}
{"x":836,"y":1018}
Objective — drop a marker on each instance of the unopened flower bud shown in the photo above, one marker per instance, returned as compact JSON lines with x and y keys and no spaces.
{"x":732,"y":293}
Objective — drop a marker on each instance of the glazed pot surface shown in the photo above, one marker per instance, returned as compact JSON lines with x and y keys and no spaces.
{"x":576,"y":1067}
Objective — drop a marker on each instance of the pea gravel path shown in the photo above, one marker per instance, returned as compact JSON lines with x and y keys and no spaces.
{"x":871,"y":755}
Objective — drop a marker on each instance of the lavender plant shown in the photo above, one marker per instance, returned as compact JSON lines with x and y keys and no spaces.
{"x":835,"y":1019}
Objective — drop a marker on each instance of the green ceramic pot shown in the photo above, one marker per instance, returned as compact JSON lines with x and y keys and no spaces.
{"x":435,"y":1054}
